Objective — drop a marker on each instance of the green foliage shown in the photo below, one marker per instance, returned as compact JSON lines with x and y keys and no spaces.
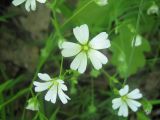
{"x":142,"y":116}
{"x":128,"y":59}
{"x":147,"y":106}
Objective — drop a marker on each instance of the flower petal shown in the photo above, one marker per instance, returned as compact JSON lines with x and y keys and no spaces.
{"x":116,"y":103}
{"x":54,"y":95}
{"x":100,"y":41}
{"x":63,"y":87}
{"x":102,"y":58}
{"x":60,"y":81}
{"x":68,"y":45}
{"x":133,"y":104}
{"x":17,"y":2}
{"x":63,"y":97}
{"x":83,"y":64}
{"x":97,"y":58}
{"x":94,"y":60}
{"x":124,"y":90}
{"x":81,"y":33}
{"x":51,"y":94}
{"x":44,"y":76}
{"x":33,"y":5}
{"x":70,"y":49}
{"x":123,"y":110}
{"x":41,"y":1}
{"x":79,"y":62}
{"x":27,"y":5}
{"x":135,"y":94}
{"x":39,"y":87}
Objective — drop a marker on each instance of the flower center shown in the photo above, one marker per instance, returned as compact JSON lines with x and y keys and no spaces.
{"x":85,"y":48}
{"x":54,"y":82}
{"x":124,"y":98}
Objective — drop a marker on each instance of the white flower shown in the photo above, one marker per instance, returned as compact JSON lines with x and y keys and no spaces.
{"x":54,"y":87}
{"x":86,"y":49}
{"x":127,"y":99}
{"x":29,"y":5}
{"x":137,"y":41}
{"x":101,"y":2}
{"x":33,"y":104}
{"x":153,"y":9}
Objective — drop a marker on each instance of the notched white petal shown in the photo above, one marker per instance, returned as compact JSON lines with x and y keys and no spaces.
{"x":70,"y":49}
{"x":70,"y":45}
{"x":123,"y":110}
{"x":63,"y":97}
{"x":124,"y":90}
{"x":135,"y":94}
{"x":134,"y":105}
{"x":63,"y":87}
{"x":81,"y":33}
{"x":39,"y":87}
{"x":51,"y":94}
{"x":77,"y":61}
{"x":116,"y":103}
{"x":83,"y":63}
{"x":101,"y":41}
{"x":28,"y":5}
{"x":44,"y":76}
{"x":96,"y":62}
{"x":33,"y":5}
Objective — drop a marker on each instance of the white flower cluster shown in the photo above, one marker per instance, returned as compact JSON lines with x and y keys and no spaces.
{"x":85,"y":50}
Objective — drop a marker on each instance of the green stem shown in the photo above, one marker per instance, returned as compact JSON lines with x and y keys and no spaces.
{"x":61,"y":67}
{"x":110,"y":78}
{"x":77,"y":12}
{"x":133,"y":50}
{"x":155,"y":102}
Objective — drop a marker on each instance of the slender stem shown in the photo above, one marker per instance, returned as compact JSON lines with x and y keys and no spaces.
{"x":61,"y":67}
{"x":133,"y":50}
{"x":78,"y":11}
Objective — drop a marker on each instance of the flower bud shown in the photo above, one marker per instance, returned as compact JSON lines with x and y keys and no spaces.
{"x":33,"y":104}
{"x":101,"y":2}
